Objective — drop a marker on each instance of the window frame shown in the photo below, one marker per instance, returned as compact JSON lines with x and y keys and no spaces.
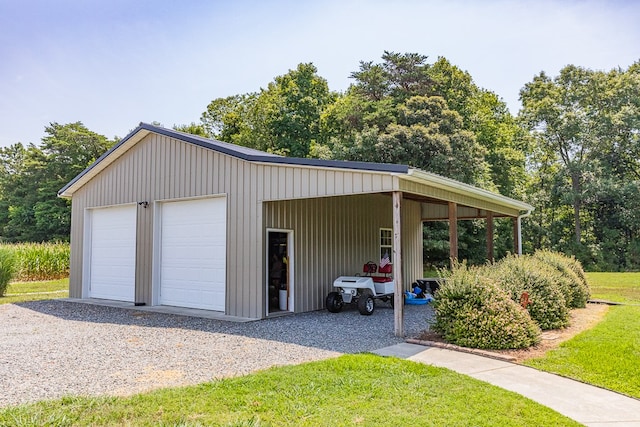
{"x":385,"y":241}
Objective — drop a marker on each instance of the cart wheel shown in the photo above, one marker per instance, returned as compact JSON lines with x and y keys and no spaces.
{"x":334,"y":302}
{"x":366,"y":304}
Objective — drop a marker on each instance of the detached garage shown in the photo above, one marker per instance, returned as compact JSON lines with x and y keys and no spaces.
{"x":173,"y":219}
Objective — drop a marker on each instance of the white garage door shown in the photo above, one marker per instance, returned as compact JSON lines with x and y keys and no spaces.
{"x":113,"y":253}
{"x":193,"y":253}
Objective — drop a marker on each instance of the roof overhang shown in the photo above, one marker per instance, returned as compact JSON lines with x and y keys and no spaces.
{"x":435,"y":187}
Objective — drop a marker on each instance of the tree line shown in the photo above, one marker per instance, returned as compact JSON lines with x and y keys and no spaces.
{"x":572,"y":151}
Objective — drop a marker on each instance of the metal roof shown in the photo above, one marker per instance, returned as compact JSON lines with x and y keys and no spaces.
{"x":403,"y":172}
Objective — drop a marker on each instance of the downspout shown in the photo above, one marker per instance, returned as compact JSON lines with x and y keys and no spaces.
{"x":520,"y":229}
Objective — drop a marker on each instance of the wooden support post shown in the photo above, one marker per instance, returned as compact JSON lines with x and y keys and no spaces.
{"x":490,"y":256}
{"x":398,"y":298}
{"x":453,"y":231}
{"x":516,"y":235}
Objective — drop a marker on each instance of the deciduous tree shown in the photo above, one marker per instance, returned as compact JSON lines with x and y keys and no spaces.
{"x":31,"y":176}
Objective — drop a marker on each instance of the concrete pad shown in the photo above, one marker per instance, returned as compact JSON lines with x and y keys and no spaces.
{"x":164,"y":309}
{"x":402,"y":350}
{"x":587,"y":404}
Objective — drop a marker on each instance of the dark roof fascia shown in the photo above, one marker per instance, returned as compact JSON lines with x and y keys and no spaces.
{"x":263,"y":158}
{"x":210,"y":144}
{"x":271,"y":158}
{"x":337,"y":164}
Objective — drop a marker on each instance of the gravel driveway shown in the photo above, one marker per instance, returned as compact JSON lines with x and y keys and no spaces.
{"x":50,"y":349}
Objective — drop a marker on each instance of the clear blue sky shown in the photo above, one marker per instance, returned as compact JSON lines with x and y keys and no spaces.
{"x":114,"y":63}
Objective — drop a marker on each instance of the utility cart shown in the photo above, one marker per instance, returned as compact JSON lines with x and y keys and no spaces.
{"x":363,"y":290}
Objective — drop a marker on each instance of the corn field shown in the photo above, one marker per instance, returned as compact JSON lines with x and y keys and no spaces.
{"x":39,"y":261}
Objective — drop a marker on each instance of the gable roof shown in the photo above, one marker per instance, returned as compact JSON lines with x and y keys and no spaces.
{"x":427,"y":182}
{"x":238,"y":151}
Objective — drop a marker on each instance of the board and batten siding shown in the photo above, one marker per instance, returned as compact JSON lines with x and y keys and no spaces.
{"x":335,"y":236}
{"x":159,"y":168}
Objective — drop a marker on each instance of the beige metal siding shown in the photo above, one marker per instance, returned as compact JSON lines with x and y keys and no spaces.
{"x":412,"y":242}
{"x":336,"y":236}
{"x":162,"y":168}
{"x":287,"y":182}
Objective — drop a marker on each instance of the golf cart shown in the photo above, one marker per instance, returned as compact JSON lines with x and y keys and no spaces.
{"x":363,"y":290}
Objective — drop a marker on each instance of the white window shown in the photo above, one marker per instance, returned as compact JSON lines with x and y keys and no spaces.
{"x":386,"y":243}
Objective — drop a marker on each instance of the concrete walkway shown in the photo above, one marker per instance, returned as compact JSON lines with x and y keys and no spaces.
{"x":589,"y":405}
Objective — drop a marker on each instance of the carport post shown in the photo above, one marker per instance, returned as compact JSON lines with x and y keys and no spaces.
{"x":490,"y":236}
{"x":453,"y":232}
{"x":398,"y":300}
{"x":516,"y":236}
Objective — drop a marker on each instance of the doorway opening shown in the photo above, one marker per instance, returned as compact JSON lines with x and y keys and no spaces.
{"x":279,"y":271}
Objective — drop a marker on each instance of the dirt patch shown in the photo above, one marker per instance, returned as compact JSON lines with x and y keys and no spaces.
{"x":152,"y":377}
{"x":581,"y":320}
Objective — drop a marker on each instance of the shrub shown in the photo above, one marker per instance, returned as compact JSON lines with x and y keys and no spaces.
{"x":573,"y":272}
{"x":7,"y":266}
{"x":548,"y":289}
{"x":472,"y":311}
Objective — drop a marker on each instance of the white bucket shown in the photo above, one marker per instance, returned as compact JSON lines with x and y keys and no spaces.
{"x":283,"y":299}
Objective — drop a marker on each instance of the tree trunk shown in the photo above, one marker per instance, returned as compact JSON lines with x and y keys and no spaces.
{"x":577,"y":205}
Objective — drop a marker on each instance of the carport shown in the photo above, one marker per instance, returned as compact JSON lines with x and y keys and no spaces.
{"x":443,"y":199}
{"x":172,"y":219}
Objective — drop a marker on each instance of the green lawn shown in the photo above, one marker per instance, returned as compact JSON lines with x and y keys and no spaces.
{"x":607,"y":355}
{"x":619,"y":287}
{"x":352,"y":390}
{"x":32,"y":291}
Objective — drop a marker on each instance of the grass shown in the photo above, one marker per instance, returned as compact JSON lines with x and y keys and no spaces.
{"x":607,"y":355}
{"x":618,"y":287}
{"x":431,"y":272}
{"x":352,"y":390}
{"x":33,"y":291}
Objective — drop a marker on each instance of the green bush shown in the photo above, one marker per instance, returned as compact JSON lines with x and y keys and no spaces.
{"x":473,"y":311}
{"x":40,"y":261}
{"x":7,"y":266}
{"x":572,"y":270}
{"x":548,"y":289}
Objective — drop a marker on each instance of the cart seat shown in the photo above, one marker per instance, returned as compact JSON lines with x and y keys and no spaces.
{"x":370,"y":268}
{"x":386,"y":269}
